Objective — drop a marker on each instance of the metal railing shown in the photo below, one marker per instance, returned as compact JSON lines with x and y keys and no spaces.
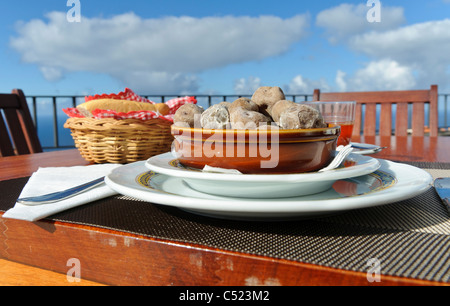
{"x":49,"y":118}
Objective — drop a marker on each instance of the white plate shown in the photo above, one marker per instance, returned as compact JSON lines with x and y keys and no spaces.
{"x":393,"y":182}
{"x":261,"y":186}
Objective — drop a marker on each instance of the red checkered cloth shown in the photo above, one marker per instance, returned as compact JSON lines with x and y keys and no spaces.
{"x":142,"y":115}
{"x":176,"y":103}
{"x":128,"y":94}
{"x":73,"y":112}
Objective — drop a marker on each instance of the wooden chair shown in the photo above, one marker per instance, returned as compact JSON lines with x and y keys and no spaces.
{"x":418,"y":99}
{"x":17,"y":134}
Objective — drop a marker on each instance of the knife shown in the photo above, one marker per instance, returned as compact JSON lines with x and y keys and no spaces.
{"x":60,"y":195}
{"x":442,"y":186}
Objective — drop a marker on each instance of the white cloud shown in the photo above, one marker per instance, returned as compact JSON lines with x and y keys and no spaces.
{"x":161,"y":82}
{"x":126,"y":46}
{"x":429,"y":38}
{"x":297,"y":85}
{"x":301,"y":85}
{"x":347,"y":20}
{"x":399,"y":56}
{"x":424,"y":47}
{"x":247,"y":86}
{"x":375,"y":75}
{"x":340,"y":81}
{"x":378,"y":75}
{"x":51,"y":73}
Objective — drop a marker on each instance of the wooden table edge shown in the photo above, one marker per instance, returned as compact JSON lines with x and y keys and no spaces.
{"x":271,"y":270}
{"x":267,"y":270}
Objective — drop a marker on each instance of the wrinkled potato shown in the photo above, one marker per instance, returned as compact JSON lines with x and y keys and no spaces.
{"x":225,"y":103}
{"x":242,"y":119}
{"x":300,"y":116}
{"x":266,"y":97}
{"x":244,"y":103}
{"x":279,"y":108}
{"x":268,"y":104}
{"x":188,"y":115}
{"x":216,"y":117}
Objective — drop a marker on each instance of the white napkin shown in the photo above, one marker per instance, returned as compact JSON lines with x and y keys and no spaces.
{"x":52,"y":179}
{"x":220,"y":170}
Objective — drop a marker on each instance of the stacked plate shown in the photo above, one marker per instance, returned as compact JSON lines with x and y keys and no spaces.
{"x":360,"y":182}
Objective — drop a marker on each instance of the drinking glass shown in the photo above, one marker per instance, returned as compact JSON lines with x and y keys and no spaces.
{"x":340,"y":113}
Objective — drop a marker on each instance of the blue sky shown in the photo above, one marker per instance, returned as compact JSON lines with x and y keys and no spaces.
{"x":222,"y":47}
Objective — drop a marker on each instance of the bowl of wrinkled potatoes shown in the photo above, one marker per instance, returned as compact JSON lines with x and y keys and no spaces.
{"x":264,"y":134}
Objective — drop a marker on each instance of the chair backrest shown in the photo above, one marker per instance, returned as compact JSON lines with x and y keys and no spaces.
{"x":418,"y":99}
{"x":17,"y":132}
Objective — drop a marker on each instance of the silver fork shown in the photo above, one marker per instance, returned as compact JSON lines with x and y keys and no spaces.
{"x":339,"y":158}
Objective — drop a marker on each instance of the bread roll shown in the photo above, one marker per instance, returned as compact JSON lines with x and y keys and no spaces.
{"x":162,"y":108}
{"x":122,"y":106}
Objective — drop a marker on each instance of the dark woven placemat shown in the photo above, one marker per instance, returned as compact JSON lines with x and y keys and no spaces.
{"x":427,"y":165}
{"x":409,"y":238}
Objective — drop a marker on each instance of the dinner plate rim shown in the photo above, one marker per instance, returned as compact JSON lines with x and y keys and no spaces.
{"x":368,"y":165}
{"x":407,"y":186}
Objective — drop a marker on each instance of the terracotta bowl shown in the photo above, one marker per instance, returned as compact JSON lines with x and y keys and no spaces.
{"x":262,"y":151}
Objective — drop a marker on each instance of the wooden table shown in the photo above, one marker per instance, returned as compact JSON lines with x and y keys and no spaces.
{"x":415,"y":149}
{"x":117,"y":258}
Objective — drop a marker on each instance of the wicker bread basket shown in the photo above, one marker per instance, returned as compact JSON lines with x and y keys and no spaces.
{"x":120,"y":141}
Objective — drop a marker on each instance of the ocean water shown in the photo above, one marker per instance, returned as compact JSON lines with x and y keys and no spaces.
{"x":45,"y":128}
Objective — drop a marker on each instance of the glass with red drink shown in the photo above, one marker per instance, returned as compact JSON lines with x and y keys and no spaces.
{"x":340,"y":113}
